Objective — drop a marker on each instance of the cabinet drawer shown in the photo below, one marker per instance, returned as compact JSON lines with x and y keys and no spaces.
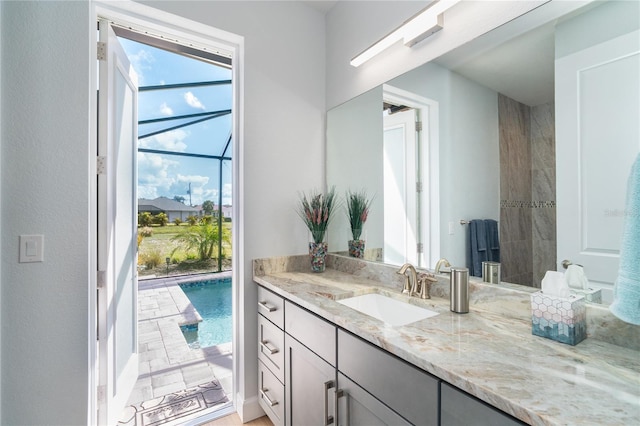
{"x":402,"y":387}
{"x":270,"y":395}
{"x":312,"y":331}
{"x":271,"y":347}
{"x":459,"y":409}
{"x":270,"y":305}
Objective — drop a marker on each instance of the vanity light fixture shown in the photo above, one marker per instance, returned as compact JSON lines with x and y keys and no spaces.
{"x":429,"y":21}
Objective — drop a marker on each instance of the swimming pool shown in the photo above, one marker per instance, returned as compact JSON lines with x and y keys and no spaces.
{"x":212,"y":300}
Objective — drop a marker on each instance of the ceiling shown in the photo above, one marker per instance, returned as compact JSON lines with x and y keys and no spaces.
{"x":521,"y":68}
{"x":321,"y":5}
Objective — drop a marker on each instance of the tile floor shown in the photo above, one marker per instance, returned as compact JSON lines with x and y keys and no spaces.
{"x":166,"y":363}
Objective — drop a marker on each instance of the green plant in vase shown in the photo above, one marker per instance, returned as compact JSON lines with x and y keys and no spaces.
{"x":316,"y":210}
{"x":358,"y":205}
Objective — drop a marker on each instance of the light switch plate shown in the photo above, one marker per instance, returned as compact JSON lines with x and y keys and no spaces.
{"x":31,"y":248}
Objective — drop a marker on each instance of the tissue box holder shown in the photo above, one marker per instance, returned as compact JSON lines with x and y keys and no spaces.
{"x":558,"y":318}
{"x":591,"y":295}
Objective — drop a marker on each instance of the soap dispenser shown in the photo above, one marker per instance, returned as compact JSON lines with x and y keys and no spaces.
{"x":459,"y":291}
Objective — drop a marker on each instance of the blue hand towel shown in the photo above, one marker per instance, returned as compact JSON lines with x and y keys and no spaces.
{"x":480,"y":234}
{"x":493,"y":240}
{"x":477,"y":247}
{"x":626,"y":291}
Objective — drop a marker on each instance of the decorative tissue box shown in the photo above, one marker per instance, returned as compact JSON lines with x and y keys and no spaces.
{"x":591,"y":295}
{"x":558,"y":318}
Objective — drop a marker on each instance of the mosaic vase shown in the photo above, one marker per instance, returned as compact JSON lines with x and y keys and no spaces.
{"x":317,"y":254}
{"x":356,"y":248}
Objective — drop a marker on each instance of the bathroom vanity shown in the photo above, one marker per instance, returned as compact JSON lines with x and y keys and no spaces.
{"x":321,"y":362}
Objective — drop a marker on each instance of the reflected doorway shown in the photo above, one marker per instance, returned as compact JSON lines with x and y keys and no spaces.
{"x":411,"y":178}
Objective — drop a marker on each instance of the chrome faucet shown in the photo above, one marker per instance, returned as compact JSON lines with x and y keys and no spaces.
{"x":425,"y":280}
{"x":416,"y":284}
{"x":440,"y":263}
{"x":411,"y":280}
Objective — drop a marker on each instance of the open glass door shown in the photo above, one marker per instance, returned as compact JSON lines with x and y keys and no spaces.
{"x":117,"y":227}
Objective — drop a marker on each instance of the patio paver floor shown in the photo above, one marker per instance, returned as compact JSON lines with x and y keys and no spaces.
{"x":166,"y":363}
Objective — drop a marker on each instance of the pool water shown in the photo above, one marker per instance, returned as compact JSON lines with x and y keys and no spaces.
{"x":212,"y":300}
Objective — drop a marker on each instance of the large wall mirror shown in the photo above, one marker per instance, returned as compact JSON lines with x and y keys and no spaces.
{"x":537,"y":131}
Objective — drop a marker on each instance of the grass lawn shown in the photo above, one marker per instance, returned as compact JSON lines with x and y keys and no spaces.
{"x":154,"y":250}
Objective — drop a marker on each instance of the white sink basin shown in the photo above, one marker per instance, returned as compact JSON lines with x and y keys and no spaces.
{"x":391,"y":311}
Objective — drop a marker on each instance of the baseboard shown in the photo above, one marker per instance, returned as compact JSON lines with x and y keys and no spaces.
{"x":248,"y":409}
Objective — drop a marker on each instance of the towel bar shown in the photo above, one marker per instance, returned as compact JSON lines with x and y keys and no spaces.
{"x":566,"y":263}
{"x":465,"y":222}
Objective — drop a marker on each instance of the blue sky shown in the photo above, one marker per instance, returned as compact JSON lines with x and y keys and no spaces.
{"x":169,"y":175}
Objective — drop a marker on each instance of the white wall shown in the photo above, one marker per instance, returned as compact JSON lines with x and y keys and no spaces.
{"x":349,"y":33}
{"x":45,"y":190}
{"x":45,"y":181}
{"x":354,"y":153}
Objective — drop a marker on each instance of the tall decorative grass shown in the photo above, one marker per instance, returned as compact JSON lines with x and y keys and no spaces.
{"x":358,"y":205}
{"x":316,"y":210}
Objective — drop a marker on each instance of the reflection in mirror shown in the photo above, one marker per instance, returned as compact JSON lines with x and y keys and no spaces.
{"x":507,"y":147}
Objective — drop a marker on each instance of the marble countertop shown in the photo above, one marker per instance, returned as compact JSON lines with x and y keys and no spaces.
{"x":488,"y":354}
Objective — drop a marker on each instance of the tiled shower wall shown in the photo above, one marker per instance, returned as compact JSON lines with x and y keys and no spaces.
{"x":527,"y":191}
{"x":543,"y":190}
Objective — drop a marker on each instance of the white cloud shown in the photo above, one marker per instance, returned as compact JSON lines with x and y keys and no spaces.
{"x":141,"y":62}
{"x":155,"y":175}
{"x":193,"y":101}
{"x":167,"y":141}
{"x":226,"y":190}
{"x":198,"y":191}
{"x":166,"y":109}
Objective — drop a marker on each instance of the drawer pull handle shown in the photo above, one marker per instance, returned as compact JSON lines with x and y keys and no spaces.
{"x":338,"y":394}
{"x":265,"y":344}
{"x":327,"y":418}
{"x":263,"y":393}
{"x":268,"y":308}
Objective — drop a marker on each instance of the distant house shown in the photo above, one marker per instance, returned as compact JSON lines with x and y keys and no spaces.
{"x":172,"y":208}
{"x":226,"y":210}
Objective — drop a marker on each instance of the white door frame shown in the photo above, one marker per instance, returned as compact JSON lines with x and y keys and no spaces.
{"x":159,"y":22}
{"x":430,"y":155}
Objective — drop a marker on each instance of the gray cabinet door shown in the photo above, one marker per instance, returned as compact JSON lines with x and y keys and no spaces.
{"x":356,"y":407}
{"x":309,"y":386}
{"x":398,"y":384}
{"x":460,"y":409}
